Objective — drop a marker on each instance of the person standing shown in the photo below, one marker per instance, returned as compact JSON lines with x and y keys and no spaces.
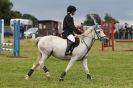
{"x":22,"y":31}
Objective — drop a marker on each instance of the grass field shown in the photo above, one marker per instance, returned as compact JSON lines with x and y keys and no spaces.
{"x":109,"y":69}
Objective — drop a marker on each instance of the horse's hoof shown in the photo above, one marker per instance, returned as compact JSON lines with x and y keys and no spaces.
{"x":48,"y":75}
{"x":27,"y":77}
{"x":61,"y":79}
{"x":89,"y":77}
{"x":48,"y":78}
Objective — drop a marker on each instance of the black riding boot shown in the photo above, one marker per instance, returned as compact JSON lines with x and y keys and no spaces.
{"x":69,"y":47}
{"x":72,"y":47}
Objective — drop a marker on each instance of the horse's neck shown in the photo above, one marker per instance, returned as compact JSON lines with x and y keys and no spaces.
{"x":87,"y":39}
{"x":88,"y":36}
{"x":89,"y":33}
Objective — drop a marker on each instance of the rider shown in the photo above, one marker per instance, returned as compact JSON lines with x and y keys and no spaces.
{"x":69,"y":29}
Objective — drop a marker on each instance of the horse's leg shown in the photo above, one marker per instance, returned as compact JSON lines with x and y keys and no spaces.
{"x":70,"y":64}
{"x":34,"y":66}
{"x":41,"y":62}
{"x":84,"y":62}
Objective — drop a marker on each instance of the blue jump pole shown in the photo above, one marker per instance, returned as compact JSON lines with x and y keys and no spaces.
{"x":0,"y":36}
{"x":16,"y":38}
{"x":16,"y":43}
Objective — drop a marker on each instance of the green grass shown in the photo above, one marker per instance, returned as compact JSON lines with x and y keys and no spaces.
{"x":110,"y":69}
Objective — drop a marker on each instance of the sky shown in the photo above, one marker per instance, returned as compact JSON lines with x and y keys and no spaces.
{"x":121,"y":10}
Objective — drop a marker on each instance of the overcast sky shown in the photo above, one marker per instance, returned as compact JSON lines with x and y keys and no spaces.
{"x":56,"y":9}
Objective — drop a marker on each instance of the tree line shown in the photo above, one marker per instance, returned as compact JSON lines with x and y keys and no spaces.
{"x":7,"y":13}
{"x":108,"y":18}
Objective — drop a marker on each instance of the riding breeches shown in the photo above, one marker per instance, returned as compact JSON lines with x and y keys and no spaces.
{"x":71,"y":38}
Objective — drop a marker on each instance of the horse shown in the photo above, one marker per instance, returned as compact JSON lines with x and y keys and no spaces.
{"x":56,"y":46}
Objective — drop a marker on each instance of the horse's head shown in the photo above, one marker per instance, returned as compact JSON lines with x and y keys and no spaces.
{"x":91,"y":31}
{"x":100,"y":34}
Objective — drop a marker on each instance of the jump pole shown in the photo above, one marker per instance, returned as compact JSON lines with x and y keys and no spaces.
{"x":16,"y":36}
{"x":16,"y":39}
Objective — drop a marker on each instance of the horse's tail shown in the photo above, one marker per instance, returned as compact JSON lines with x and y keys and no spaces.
{"x":37,"y":40}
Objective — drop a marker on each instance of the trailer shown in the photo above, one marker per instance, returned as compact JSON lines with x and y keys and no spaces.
{"x":26,"y":23}
{"x":49,"y":27}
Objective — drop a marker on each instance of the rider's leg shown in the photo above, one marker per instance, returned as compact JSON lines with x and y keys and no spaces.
{"x":70,"y":44}
{"x":68,"y":49}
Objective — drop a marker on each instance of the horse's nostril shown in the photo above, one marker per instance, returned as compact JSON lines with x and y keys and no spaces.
{"x":98,"y":31}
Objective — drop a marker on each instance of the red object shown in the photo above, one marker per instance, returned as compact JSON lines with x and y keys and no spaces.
{"x":108,"y":29}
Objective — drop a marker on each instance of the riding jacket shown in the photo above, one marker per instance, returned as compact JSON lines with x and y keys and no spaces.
{"x":69,"y":27}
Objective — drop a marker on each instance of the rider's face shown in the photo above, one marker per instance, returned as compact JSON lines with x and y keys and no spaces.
{"x":73,"y":13}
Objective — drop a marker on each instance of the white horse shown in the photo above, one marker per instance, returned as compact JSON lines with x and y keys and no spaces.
{"x":56,"y":46}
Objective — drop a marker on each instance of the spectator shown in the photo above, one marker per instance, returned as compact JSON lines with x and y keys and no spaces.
{"x":131,"y":32}
{"x":124,"y":31}
{"x":22,"y":31}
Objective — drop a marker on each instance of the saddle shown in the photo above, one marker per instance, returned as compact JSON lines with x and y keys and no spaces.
{"x":77,"y":41}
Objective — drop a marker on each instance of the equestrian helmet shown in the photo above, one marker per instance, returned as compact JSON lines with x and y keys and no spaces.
{"x":71,"y":9}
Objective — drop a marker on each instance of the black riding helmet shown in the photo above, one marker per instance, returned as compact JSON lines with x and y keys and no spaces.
{"x":71,"y":9}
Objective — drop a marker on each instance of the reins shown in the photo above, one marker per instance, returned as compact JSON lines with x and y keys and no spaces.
{"x":88,"y":48}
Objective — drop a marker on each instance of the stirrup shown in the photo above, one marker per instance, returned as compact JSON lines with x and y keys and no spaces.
{"x":68,"y":53}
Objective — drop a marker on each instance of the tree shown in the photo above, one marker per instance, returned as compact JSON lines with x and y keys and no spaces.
{"x":34,"y":19}
{"x":6,"y":13}
{"x":109,"y":18}
{"x":89,"y":21}
{"x":5,"y":8}
{"x":15,"y":14}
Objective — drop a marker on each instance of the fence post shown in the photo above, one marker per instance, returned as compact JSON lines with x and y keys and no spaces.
{"x":108,"y":29}
{"x":16,"y":45}
{"x":16,"y":38}
{"x":0,"y":36}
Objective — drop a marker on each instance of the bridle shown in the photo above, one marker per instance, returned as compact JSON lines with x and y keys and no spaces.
{"x":95,"y":29}
{"x":93,"y":40}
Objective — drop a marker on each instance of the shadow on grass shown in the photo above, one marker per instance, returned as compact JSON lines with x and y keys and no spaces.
{"x":126,"y":50}
{"x":11,"y":56}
